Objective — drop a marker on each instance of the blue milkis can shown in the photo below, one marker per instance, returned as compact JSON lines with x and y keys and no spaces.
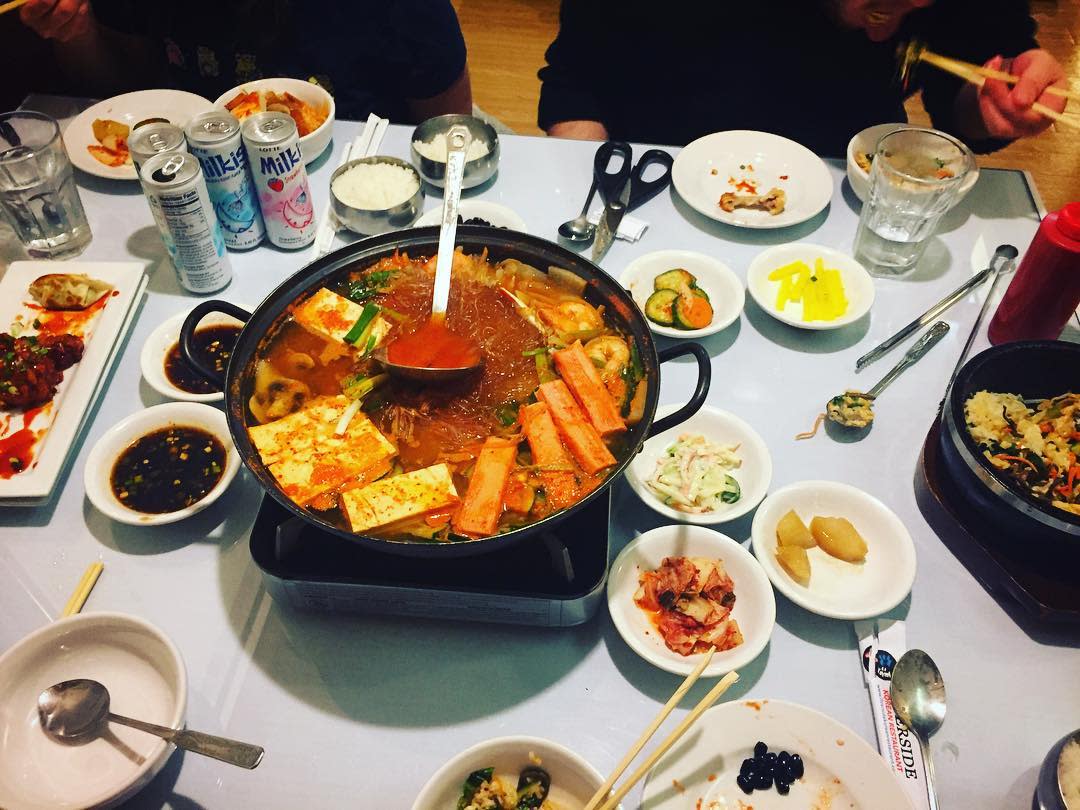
{"x":214,"y":139}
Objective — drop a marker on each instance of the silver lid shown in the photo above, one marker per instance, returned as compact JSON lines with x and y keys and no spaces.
{"x":212,"y":126}
{"x":268,"y":128}
{"x":160,"y":136}
{"x":169,"y":169}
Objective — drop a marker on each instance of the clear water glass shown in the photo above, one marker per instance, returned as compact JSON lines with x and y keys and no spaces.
{"x":37,"y":187}
{"x":915,"y":178}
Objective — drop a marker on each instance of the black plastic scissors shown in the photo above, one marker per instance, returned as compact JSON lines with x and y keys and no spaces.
{"x":624,"y":189}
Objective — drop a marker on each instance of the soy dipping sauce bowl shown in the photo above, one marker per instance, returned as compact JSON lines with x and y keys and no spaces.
{"x":369,"y":222}
{"x":477,"y":171}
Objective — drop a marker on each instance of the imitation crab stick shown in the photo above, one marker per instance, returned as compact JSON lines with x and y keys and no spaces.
{"x":579,"y":435}
{"x":482,"y":506}
{"x":579,"y":373}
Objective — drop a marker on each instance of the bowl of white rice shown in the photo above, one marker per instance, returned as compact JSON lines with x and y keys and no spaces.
{"x":376,"y":194}
{"x":1058,"y":787}
{"x":429,"y":148}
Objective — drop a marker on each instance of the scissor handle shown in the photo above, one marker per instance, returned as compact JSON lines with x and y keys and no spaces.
{"x":611,"y":184}
{"x":641,"y":191}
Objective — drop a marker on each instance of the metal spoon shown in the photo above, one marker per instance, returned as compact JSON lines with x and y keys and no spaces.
{"x":457,"y":142}
{"x":77,"y":710}
{"x":918,"y":696}
{"x":580,"y":229}
{"x":854,"y":409}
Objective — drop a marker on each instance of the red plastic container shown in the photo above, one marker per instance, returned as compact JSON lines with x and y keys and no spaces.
{"x":1045,"y":291}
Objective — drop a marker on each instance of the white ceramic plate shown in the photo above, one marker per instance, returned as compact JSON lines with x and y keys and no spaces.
{"x":498,"y":215}
{"x":130,"y":108}
{"x":704,"y":169}
{"x":858,"y":285}
{"x":314,"y":143}
{"x":719,"y":282}
{"x":842,"y":772}
{"x":573,"y":780}
{"x":755,"y":605}
{"x":720,"y":427}
{"x":838,"y":589}
{"x":63,"y":419}
{"x":103,"y":456}
{"x":144,"y":674}
{"x":157,"y":347}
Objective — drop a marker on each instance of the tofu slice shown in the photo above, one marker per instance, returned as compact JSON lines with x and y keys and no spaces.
{"x":295,"y":434}
{"x":331,"y":316}
{"x":400,"y":497}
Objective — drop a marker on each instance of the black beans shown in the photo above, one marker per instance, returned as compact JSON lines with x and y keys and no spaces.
{"x":768,"y":768}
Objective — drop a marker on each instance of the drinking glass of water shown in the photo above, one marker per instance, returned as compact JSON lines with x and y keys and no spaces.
{"x":37,"y":187}
{"x":915,"y":178}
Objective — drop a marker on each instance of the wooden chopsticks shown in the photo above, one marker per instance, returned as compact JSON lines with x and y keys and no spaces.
{"x":86,"y":584}
{"x":597,"y":801}
{"x":14,"y":4}
{"x":977,"y":74}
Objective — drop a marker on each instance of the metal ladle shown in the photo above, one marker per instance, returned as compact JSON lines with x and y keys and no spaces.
{"x":78,"y":710}
{"x":918,"y":697}
{"x":580,"y":229}
{"x":457,"y":142}
{"x":854,"y":409}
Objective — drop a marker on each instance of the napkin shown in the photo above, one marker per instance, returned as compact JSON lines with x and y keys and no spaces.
{"x":630,"y":229}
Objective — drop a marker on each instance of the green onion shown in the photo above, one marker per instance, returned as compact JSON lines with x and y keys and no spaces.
{"x":366,"y":317}
{"x":534,"y":352}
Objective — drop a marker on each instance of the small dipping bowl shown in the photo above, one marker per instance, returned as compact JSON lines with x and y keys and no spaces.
{"x":157,"y":348}
{"x":97,"y":477}
{"x":477,"y":171}
{"x":370,"y":221}
{"x":144,"y":673}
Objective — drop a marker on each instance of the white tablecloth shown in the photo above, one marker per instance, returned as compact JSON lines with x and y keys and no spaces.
{"x":358,"y":712}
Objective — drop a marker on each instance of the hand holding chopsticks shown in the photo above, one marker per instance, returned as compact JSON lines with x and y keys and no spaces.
{"x":597,"y":801}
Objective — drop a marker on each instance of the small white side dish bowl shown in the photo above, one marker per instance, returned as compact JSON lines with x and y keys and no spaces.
{"x":755,"y":604}
{"x":719,"y":282}
{"x":866,"y":143}
{"x":573,"y":780}
{"x":719,"y":427}
{"x":314,"y":143}
{"x":858,"y":284}
{"x":157,"y":347}
{"x":838,"y":589}
{"x":104,"y":454}
{"x":145,"y":676}
{"x":498,"y":215}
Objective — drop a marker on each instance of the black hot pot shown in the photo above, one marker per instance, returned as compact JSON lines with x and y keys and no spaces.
{"x":1035,"y":369}
{"x":263,"y":323}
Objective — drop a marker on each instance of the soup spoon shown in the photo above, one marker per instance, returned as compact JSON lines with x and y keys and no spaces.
{"x":580,"y":229}
{"x":434,"y":354}
{"x":854,"y":409}
{"x":918,"y":697}
{"x":78,"y":710}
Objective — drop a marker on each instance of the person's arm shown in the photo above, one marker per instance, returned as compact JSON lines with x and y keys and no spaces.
{"x":457,"y":98}
{"x":991,"y":116}
{"x":570,"y":104}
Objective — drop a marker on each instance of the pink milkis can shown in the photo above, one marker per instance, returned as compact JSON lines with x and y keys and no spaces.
{"x":277,"y":168}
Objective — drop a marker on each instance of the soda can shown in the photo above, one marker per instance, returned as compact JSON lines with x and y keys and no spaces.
{"x":273,"y":149}
{"x":214,"y":139}
{"x":174,"y":187}
{"x":153,"y":138}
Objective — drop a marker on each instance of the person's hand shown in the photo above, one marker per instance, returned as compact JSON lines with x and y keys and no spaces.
{"x":580,"y":130}
{"x":62,"y":20}
{"x":1006,"y":111}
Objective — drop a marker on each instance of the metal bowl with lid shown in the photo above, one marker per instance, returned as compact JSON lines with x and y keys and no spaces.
{"x":477,"y":171}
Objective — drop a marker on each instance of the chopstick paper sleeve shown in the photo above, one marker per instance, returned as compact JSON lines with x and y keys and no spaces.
{"x":881,"y":643}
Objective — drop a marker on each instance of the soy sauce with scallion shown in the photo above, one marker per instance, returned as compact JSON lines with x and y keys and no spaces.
{"x":212,"y":345}
{"x":168,"y":470}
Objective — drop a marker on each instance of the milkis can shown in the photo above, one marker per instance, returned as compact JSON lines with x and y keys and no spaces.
{"x":214,"y":139}
{"x":174,"y":187}
{"x":273,"y":149}
{"x":153,"y":138}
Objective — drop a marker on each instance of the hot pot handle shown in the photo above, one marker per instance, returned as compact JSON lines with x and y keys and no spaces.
{"x":704,"y":364}
{"x":187,"y":332}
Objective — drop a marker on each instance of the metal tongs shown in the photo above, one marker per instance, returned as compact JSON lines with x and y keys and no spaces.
{"x":1001,"y":262}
